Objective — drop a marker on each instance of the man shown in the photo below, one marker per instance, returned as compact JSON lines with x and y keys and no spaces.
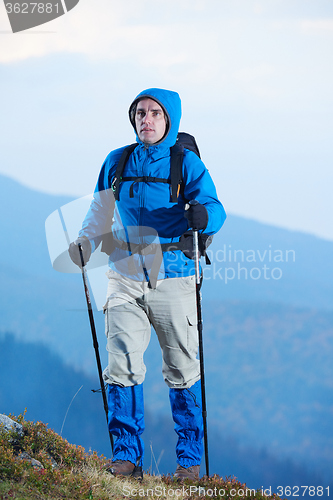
{"x":151,"y":281}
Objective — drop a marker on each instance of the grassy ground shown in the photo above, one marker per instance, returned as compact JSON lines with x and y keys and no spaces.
{"x":66,"y":471}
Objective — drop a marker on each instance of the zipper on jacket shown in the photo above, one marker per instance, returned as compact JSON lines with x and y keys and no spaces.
{"x":142,"y":186}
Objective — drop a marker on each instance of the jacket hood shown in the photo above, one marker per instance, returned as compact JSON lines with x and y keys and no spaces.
{"x":171,"y":105}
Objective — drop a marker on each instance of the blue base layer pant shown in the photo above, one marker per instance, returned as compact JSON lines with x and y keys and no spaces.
{"x":126,"y":423}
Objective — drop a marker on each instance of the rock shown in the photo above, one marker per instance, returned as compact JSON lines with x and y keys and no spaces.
{"x":8,"y":424}
{"x":35,"y":463}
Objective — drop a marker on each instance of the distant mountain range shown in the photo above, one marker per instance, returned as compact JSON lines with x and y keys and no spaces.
{"x":268,"y":335}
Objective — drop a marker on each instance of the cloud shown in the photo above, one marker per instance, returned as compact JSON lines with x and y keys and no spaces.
{"x":157,"y":33}
{"x":317,"y":27}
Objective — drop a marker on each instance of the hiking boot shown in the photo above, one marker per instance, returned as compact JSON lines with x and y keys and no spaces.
{"x":137,"y":473}
{"x":191,"y":473}
{"x":121,"y":468}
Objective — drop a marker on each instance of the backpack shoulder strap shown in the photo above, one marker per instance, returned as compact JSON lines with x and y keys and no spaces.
{"x":187,"y":141}
{"x":176,"y":170}
{"x":120,"y":168}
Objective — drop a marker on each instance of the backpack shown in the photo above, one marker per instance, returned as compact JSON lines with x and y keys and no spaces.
{"x":175,"y":180}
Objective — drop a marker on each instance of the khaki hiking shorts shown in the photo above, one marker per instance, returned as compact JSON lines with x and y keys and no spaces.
{"x":131,"y":310}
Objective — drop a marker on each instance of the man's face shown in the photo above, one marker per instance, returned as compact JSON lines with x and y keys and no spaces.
{"x":150,"y":121}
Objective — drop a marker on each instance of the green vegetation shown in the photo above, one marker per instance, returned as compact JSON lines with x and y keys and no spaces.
{"x":41,"y":465}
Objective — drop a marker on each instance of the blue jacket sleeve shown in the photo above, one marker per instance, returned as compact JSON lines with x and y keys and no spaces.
{"x":200,"y":186}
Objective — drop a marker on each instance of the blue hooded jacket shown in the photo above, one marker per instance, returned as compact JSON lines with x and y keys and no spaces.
{"x":149,"y":216}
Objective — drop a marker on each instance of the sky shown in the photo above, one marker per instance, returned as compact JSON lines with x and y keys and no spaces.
{"x":255,"y":78}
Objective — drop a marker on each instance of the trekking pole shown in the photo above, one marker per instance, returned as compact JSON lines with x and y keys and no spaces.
{"x":95,"y":342}
{"x":201,"y":357}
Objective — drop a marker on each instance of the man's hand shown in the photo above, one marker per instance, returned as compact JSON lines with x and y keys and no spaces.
{"x":196,"y":215}
{"x":74,"y":251}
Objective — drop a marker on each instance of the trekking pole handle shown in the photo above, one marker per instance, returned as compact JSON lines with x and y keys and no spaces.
{"x":81,"y":255}
{"x":191,"y":203}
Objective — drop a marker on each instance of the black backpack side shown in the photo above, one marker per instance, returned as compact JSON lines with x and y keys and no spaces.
{"x":188,"y":142}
